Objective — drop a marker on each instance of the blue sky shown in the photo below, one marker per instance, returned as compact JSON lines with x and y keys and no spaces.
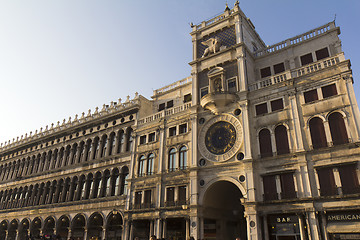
{"x":61,"y":58}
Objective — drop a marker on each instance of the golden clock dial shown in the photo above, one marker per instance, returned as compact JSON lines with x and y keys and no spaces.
{"x":220,"y":137}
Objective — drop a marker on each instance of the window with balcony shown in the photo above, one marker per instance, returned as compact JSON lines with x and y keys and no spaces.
{"x":187,"y":98}
{"x":204,"y":91}
{"x":287,"y":186}
{"x":231,"y":85}
{"x":306,"y":59}
{"x":161,"y":107}
{"x":279,"y":68}
{"x":322,"y":53}
{"x":265,"y":72}
{"x":170,"y":104}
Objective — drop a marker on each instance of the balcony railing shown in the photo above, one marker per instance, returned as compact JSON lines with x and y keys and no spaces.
{"x":178,"y":203}
{"x":164,"y":113}
{"x":304,"y":70}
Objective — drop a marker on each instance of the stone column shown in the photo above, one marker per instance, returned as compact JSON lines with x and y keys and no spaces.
{"x":266,"y":228}
{"x":103,"y":235}
{"x":131,"y":233}
{"x":302,"y":227}
{"x":17,"y":235}
{"x":323,"y":226}
{"x":187,"y":228}
{"x":164,"y":229}
{"x":241,"y":60}
{"x":85,"y":233}
{"x":246,"y":129}
{"x":69,"y":234}
{"x":158,"y":232}
{"x":328,"y":133}
{"x":313,"y":225}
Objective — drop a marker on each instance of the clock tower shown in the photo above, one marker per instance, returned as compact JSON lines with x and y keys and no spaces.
{"x":223,"y":55}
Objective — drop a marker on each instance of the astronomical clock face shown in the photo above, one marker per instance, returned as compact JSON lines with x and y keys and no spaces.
{"x":220,"y":138}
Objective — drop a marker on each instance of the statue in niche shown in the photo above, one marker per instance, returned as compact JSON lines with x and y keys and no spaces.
{"x":213,"y":46}
{"x":217,"y":85}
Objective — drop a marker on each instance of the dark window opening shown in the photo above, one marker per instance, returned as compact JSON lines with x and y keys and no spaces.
{"x":317,"y":133}
{"x":322,"y":53}
{"x":349,"y":179}
{"x":265,"y":143}
{"x":311,"y":96}
{"x":338,"y":129}
{"x":187,"y":98}
{"x":265,"y":72}
{"x":161,"y":106}
{"x":147,"y":199}
{"x":231,"y":85}
{"x":287,"y":186}
{"x":270,"y":192}
{"x":172,"y":131}
{"x":261,"y":109}
{"x":327,"y":182}
{"x":143,"y":139}
{"x":306,"y":59}
{"x":152,"y":137}
{"x":170,"y":104}
{"x":182,"y":195}
{"x":138,"y":196}
{"x":281,"y":138}
{"x":277,"y":105}
{"x":329,"y":90}
{"x":203,"y":92}
{"x":183,"y":128}
{"x":279,"y":68}
{"x":170,"y":196}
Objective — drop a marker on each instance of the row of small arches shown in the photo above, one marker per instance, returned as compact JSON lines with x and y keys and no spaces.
{"x":101,"y":184}
{"x":91,"y":149}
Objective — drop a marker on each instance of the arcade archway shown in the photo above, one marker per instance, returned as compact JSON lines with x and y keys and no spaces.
{"x":223,"y":212}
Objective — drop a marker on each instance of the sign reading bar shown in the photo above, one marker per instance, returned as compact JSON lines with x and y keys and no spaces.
{"x":343,"y":216}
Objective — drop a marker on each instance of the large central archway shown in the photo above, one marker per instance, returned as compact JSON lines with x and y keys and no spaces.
{"x":223,"y":212}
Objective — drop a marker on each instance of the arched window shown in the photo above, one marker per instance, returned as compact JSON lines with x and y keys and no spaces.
{"x":96,"y":186}
{"x":338,"y":129}
{"x":183,"y":157}
{"x":141,"y":165}
{"x":106,"y":184}
{"x":317,"y":133}
{"x":111,"y":143}
{"x":95,"y":147}
{"x":73,"y":154}
{"x":81,"y":152}
{"x":265,"y":143}
{"x":129,"y":139}
{"x":80,"y":192}
{"x":121,"y":140}
{"x":124,"y":180}
{"x":281,"y":138}
{"x":67,"y":155}
{"x":73,"y":188}
{"x":150,"y":164}
{"x":60,"y":157}
{"x":88,"y":186}
{"x":88,"y":150}
{"x":54,"y":160}
{"x":171,"y":162}
{"x":103,"y":146}
{"x":115,"y":182}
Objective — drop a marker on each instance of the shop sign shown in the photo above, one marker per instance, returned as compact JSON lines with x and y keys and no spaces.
{"x":283,"y":219}
{"x":353,"y":216}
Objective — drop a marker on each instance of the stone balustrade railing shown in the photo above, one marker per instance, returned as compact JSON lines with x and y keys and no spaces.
{"x":297,"y":39}
{"x":164,"y":113}
{"x":172,"y":86}
{"x":289,"y":74}
{"x":106,"y":109}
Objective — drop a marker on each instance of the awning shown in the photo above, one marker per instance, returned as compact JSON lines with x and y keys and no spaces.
{"x":349,"y":227}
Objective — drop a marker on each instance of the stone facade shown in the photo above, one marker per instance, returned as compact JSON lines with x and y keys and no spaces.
{"x":260,"y":142}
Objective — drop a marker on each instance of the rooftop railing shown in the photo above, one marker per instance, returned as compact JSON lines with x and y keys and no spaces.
{"x":172,"y":86}
{"x":297,"y":39}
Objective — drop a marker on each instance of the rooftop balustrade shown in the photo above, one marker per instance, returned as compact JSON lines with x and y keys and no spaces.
{"x":173,"y":86}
